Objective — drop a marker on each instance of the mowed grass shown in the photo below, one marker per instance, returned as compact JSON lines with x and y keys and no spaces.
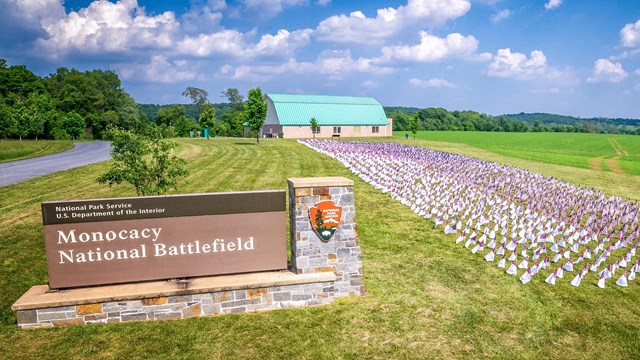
{"x":426,"y":297}
{"x":16,"y":150}
{"x":605,"y":152}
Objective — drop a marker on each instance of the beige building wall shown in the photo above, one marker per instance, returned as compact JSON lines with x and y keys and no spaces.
{"x":302,"y":132}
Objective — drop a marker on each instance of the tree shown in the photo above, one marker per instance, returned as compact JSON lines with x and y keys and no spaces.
{"x":435,"y":119}
{"x":314,"y":126}
{"x":40,"y":111}
{"x":256,"y":111}
{"x":208,"y":118}
{"x":91,"y":94}
{"x":234,"y":97}
{"x":170,"y":116}
{"x":222,"y":129}
{"x":20,"y":119}
{"x":414,"y":125}
{"x":234,"y":122}
{"x":197,"y":96}
{"x":400,"y":120}
{"x":8,"y":123}
{"x":183,"y":126}
{"x":74,"y":124}
{"x":145,"y":162}
{"x":537,"y":126}
{"x":19,"y":81}
{"x":236,"y":117}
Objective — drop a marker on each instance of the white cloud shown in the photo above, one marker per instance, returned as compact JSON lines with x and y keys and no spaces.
{"x":123,"y":27}
{"x":32,"y":12}
{"x":232,"y":43}
{"x":215,"y":5}
{"x":108,"y":27}
{"x":481,"y":57}
{"x":432,"y":83}
{"x":21,"y":21}
{"x":202,"y":19}
{"x":630,"y":35}
{"x":357,"y":28}
{"x":552,"y":4}
{"x":435,"y":11}
{"x":323,"y":2}
{"x":334,"y":64}
{"x":158,"y":70}
{"x":500,"y":15}
{"x":625,"y":55}
{"x":432,"y":48}
{"x":606,"y":71}
{"x":283,"y":44}
{"x":338,"y":62}
{"x":369,"y":84}
{"x":517,"y":66}
{"x":227,"y":42}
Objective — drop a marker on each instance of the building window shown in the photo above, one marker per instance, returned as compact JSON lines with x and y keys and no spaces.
{"x":337,"y":130}
{"x":356,"y":129}
{"x":375,"y":129}
{"x":315,"y":130}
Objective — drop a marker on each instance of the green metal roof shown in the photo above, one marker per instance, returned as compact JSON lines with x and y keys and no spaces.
{"x":328,"y":110}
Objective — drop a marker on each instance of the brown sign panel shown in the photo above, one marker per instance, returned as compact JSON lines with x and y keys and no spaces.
{"x":128,"y":242}
{"x":150,"y":207}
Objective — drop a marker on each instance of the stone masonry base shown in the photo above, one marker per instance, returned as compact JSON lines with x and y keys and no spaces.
{"x":163,"y":300}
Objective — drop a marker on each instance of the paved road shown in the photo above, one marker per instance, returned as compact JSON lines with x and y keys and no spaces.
{"x":83,"y":153}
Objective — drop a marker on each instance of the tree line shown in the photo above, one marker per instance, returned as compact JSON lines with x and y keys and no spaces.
{"x":222,"y":119}
{"x":229,"y":117}
{"x":439,"y":119}
{"x":71,"y":104}
{"x":68,"y":104}
{"x":563,"y":123}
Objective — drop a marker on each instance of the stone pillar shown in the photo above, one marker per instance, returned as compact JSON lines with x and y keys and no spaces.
{"x":341,"y":254}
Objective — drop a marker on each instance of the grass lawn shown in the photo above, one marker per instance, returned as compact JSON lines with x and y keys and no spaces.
{"x":17,"y":150}
{"x":426,"y":297}
{"x":611,"y":153}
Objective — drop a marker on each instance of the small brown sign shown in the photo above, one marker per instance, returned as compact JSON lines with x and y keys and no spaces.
{"x":106,"y":241}
{"x":325,"y":218}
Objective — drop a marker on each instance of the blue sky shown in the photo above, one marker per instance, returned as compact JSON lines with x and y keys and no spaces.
{"x":570,"y":57}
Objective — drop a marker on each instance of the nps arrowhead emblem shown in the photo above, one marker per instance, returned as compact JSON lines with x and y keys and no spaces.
{"x":325,"y":218}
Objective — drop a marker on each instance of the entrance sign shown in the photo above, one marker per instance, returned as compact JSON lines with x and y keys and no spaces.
{"x":325,"y":218}
{"x":111,"y":241}
{"x":108,"y":241}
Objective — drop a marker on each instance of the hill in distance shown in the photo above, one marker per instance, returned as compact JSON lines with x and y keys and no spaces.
{"x":553,"y":119}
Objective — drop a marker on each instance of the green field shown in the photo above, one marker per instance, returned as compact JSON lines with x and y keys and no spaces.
{"x":612,"y":153}
{"x":16,"y":150}
{"x":426,"y":296}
